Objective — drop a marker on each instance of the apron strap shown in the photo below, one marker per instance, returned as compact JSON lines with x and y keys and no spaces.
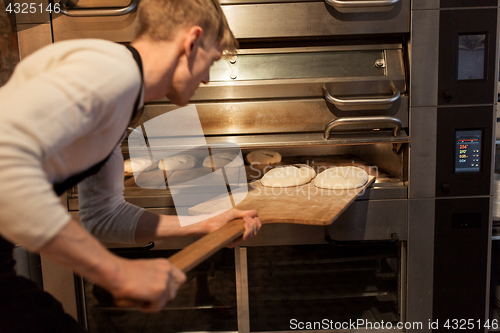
{"x":65,"y":185}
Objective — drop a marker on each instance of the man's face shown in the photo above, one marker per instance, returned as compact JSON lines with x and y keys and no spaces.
{"x":192,"y":71}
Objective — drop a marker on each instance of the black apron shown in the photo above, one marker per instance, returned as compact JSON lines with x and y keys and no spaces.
{"x":23,"y":307}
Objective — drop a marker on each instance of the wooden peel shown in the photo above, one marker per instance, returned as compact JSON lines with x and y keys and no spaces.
{"x":304,"y":204}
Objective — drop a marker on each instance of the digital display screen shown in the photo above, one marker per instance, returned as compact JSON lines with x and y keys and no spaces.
{"x":468,"y":151}
{"x":471,"y":57}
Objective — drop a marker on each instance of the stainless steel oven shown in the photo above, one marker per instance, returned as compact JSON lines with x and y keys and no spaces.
{"x":405,"y":88}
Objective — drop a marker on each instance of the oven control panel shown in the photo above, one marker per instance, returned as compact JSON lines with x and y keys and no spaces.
{"x":463,"y":150}
{"x":468,"y":151}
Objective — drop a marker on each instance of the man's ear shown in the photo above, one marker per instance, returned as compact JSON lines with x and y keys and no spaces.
{"x":192,"y":40}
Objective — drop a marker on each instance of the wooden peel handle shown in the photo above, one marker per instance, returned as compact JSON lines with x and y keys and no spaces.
{"x":197,"y":252}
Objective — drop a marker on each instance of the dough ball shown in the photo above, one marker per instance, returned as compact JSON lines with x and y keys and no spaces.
{"x":309,"y":169}
{"x":287,"y":176}
{"x":177,"y":162}
{"x":264,"y":157}
{"x":135,"y":165}
{"x":227,"y":160}
{"x":342,"y":178}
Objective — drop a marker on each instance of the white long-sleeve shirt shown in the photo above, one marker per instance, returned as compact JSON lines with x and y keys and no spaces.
{"x":63,"y":110}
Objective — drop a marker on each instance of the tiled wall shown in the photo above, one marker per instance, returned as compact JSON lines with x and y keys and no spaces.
{"x":9,"y":52}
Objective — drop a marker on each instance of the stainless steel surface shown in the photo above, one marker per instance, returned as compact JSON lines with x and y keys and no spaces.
{"x":387,"y":45}
{"x":120,"y":29}
{"x":308,"y":140}
{"x":298,"y":88}
{"x":261,"y":73}
{"x":312,"y":19}
{"x":279,"y":141}
{"x":32,"y":37}
{"x":372,"y":220}
{"x":423,"y":128}
{"x":299,"y":116}
{"x":297,"y":19}
{"x":425,"y":4}
{"x":362,"y":123}
{"x":361,"y":3}
{"x":420,"y":261}
{"x":68,"y":11}
{"x":424,"y":58}
{"x":300,"y":63}
{"x":241,"y":267}
{"x":41,"y":15}
{"x":388,"y":161}
{"x":363,"y":103}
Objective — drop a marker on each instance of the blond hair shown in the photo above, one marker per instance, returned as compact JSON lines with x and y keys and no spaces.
{"x":160,"y":20}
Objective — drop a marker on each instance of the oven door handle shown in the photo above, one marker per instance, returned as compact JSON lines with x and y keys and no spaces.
{"x":361,"y":3}
{"x":66,"y":10}
{"x":362,"y":103}
{"x":363,"y":123}
{"x":394,"y":239}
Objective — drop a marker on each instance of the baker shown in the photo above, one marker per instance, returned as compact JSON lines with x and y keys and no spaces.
{"x":63,"y":114}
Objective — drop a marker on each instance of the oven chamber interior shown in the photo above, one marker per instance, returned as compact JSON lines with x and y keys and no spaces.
{"x":323,"y":83}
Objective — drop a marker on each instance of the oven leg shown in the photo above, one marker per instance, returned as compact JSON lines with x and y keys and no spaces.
{"x":240,"y":254}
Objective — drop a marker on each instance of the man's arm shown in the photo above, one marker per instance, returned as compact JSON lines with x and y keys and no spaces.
{"x":152,"y":282}
{"x":152,"y":226}
{"x":107,"y":216}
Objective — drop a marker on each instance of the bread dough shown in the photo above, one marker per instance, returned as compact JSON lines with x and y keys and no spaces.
{"x":264,"y":157}
{"x":223,"y":160}
{"x":177,"y":162}
{"x":286,"y":176}
{"x":136,"y":165}
{"x":341,"y":178}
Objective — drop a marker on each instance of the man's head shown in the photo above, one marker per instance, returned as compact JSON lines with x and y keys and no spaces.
{"x":161,"y":20}
{"x":178,"y":41}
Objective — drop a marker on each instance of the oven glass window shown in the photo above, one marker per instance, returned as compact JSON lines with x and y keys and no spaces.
{"x":468,"y":151}
{"x":291,"y":287}
{"x":206,"y":302}
{"x":471,"y":57}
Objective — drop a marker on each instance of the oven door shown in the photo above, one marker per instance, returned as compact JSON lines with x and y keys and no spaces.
{"x":206,"y":302}
{"x":116,"y":19}
{"x":323,"y":287}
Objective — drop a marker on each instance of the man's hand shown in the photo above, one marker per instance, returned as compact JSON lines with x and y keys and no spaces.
{"x":151,"y":282}
{"x":252,"y":222}
{"x":152,"y":226}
